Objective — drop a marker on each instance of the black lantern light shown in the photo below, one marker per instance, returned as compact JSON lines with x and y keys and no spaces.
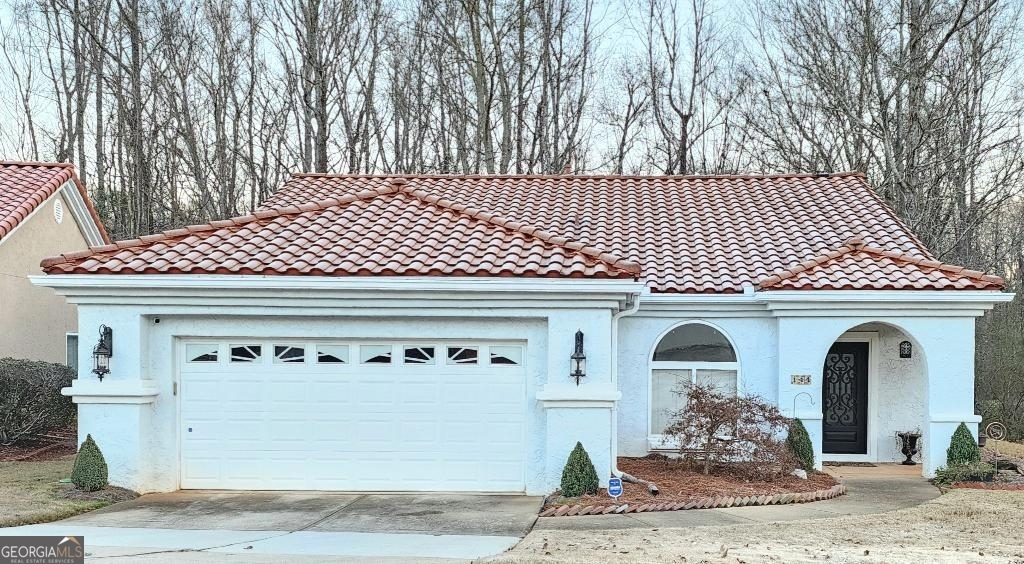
{"x":578,"y":360}
{"x":102,"y":352}
{"x":906,"y":349}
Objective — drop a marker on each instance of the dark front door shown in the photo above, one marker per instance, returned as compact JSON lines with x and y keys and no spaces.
{"x":845,"y":399}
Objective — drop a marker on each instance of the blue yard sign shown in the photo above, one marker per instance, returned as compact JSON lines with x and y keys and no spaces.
{"x":614,"y":487}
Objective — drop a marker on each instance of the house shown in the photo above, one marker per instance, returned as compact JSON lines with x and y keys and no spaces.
{"x":44,"y":210}
{"x":418,"y":333}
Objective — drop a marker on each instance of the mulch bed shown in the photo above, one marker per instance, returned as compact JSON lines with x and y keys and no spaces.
{"x":110,"y":494}
{"x":682,"y":488}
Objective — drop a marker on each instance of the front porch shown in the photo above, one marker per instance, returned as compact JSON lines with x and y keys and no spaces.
{"x":873,"y":387}
{"x":842,"y":373}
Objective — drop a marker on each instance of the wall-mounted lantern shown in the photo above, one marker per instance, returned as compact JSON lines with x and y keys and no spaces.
{"x":578,"y":360}
{"x":906,"y":349}
{"x":102,"y":352}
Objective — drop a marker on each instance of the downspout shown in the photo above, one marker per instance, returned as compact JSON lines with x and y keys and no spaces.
{"x":633,"y":308}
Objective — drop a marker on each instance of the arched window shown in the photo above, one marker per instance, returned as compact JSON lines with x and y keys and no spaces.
{"x":693,"y":353}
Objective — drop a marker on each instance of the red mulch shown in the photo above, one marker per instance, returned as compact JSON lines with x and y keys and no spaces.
{"x":678,"y":483}
{"x":54,"y":444}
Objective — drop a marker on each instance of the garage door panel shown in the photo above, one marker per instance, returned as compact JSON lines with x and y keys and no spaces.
{"x":343,"y":426}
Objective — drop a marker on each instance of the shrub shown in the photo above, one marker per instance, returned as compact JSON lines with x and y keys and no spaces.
{"x":579,"y":476}
{"x":713,"y":429}
{"x":969,"y":472}
{"x":963,"y":449}
{"x":90,"y":470}
{"x":799,"y":443}
{"x":30,"y":399}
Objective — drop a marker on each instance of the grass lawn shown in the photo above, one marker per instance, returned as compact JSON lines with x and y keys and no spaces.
{"x":29,"y":493}
{"x":960,"y":526}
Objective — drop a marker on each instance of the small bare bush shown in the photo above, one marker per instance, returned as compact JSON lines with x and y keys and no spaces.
{"x":743,"y":434}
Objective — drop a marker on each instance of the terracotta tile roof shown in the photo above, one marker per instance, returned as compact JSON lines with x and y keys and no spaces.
{"x":391,"y":230}
{"x":857,"y":266}
{"x":26,"y":185}
{"x":689,"y":234}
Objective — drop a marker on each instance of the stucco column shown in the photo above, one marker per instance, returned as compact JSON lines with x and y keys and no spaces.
{"x":116,"y":411}
{"x":583,"y":412}
{"x":803,"y":342}
{"x":949,"y":356}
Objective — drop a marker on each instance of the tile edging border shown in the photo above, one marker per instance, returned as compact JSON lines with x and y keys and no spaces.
{"x":700,"y":503}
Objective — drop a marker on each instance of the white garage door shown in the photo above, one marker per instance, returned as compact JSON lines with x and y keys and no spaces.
{"x":361,"y":416}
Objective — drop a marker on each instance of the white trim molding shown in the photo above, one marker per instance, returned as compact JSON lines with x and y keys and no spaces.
{"x":586,"y":395}
{"x":860,"y":303}
{"x":112,"y":391}
{"x":871,"y":338}
{"x":80,"y":211}
{"x":285,"y":294}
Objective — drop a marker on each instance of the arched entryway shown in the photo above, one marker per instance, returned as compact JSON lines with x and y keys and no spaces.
{"x":873,"y":386}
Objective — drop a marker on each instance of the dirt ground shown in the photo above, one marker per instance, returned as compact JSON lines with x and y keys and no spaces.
{"x":960,"y":526}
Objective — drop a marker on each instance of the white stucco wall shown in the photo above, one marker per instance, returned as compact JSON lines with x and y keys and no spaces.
{"x":133,"y":413}
{"x":138,"y":431}
{"x":900,"y":391}
{"x":754,"y":339}
{"x":946,"y":348}
{"x":933,"y":391}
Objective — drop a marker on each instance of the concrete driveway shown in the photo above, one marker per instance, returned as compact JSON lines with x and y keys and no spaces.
{"x":255,"y":526}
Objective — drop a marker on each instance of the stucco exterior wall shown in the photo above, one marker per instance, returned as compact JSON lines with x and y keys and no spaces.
{"x":946,"y":349}
{"x":900,"y":402}
{"x":34,"y":320}
{"x":753,"y":337}
{"x":140,"y":436}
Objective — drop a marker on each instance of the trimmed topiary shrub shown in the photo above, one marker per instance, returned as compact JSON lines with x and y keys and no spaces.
{"x":963,"y":449}
{"x":799,"y":443}
{"x":90,"y":470}
{"x":579,"y":476}
{"x":30,"y":400}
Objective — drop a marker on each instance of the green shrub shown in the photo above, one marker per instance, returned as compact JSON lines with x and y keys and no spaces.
{"x":579,"y":476}
{"x":90,"y":470}
{"x":970,"y":472}
{"x":963,"y":449}
{"x":30,"y":399}
{"x":799,"y":443}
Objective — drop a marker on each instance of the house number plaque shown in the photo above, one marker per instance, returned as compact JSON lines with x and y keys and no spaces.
{"x":800,"y":379}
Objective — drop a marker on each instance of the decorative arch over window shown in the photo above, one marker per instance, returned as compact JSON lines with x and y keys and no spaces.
{"x":691,"y":353}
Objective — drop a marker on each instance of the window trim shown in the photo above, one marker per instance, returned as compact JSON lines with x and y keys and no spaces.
{"x":67,"y":349}
{"x":657,"y":441}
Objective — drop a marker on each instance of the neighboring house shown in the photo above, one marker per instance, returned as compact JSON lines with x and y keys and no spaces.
{"x":415,"y":332}
{"x":44,"y":210}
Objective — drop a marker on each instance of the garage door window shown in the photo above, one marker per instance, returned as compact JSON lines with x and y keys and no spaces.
{"x":463,"y":355}
{"x":418,"y":355}
{"x":375,"y":354}
{"x":288,"y":354}
{"x":332,"y":354}
{"x":246,"y":353}
{"x":512,"y":356}
{"x":201,"y":352}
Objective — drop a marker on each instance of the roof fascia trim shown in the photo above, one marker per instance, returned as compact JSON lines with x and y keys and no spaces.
{"x":93,"y":236}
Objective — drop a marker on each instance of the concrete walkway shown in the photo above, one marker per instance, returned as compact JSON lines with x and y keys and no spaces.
{"x":319,"y":526}
{"x":879,"y":489}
